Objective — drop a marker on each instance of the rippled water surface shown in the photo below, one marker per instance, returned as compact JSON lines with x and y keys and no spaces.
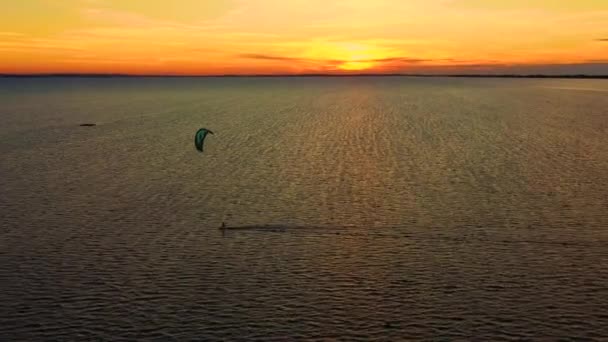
{"x":360,"y":208}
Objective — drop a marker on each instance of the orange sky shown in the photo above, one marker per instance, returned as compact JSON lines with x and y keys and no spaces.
{"x":303,"y":36}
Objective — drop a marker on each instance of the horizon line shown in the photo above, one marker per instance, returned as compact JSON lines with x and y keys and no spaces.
{"x":108,"y":75}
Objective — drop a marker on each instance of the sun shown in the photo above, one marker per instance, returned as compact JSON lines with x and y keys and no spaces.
{"x":347,"y":56}
{"x":358,"y":56}
{"x":356,"y":65}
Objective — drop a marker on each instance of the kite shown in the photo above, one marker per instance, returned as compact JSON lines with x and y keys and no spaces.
{"x":199,"y":138}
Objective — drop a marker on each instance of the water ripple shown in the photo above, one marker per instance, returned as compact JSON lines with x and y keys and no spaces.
{"x":357,"y":209}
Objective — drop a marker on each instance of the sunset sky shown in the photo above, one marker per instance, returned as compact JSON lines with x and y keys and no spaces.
{"x":203,"y":37}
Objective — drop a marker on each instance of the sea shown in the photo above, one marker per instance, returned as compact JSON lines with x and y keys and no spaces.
{"x":355,"y":208}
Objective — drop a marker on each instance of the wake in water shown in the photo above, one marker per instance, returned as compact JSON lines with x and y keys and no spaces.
{"x":399,"y":232}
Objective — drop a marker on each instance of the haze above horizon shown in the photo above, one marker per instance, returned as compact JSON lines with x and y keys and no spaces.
{"x":216,"y":37}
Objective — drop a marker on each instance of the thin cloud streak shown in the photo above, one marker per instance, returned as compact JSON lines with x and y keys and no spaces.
{"x":268,"y":57}
{"x":361,"y":60}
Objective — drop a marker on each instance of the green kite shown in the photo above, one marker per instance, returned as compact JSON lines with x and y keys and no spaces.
{"x":199,"y":138}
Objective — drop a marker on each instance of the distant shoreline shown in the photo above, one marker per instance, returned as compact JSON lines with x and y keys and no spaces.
{"x":301,"y":75}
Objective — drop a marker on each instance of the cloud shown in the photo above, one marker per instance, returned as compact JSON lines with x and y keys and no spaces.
{"x":37,"y":45}
{"x":181,"y":11}
{"x":333,"y":61}
{"x":602,"y":40}
{"x":545,"y":5}
{"x":589,"y":68}
{"x":322,"y":63}
{"x":11,"y":34}
{"x":268,"y":57}
{"x":398,"y":59}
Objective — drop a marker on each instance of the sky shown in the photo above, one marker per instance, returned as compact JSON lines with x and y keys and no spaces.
{"x":216,"y":37}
